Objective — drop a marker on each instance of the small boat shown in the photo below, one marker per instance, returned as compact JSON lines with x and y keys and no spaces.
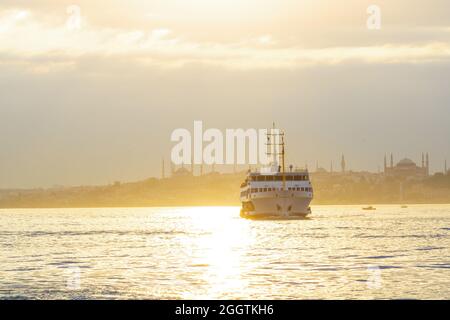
{"x":404,"y":207}
{"x":370,"y":208}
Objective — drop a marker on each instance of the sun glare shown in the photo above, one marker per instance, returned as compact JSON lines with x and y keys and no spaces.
{"x":220,"y":250}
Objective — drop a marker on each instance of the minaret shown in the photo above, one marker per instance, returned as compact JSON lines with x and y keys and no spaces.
{"x":445,"y":167}
{"x":392,"y":160}
{"x":428,"y":164}
{"x":317,"y":165}
{"x":343,"y":164}
{"x":331,"y":166}
{"x":423,"y":160}
{"x":172,"y":169}
{"x":163,"y":170}
{"x":385,"y":163}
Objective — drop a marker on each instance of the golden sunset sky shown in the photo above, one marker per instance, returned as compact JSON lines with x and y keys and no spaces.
{"x":95,"y":102}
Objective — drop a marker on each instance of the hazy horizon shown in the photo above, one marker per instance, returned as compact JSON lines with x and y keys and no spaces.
{"x":98,"y":104}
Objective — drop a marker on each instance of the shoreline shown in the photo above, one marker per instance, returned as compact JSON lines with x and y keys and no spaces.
{"x":217,"y":205}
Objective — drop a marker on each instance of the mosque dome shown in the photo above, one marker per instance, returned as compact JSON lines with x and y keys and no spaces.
{"x":406,"y":163}
{"x":182,"y":172}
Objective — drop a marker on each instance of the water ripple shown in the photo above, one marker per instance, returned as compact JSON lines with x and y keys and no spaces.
{"x":190,"y":253}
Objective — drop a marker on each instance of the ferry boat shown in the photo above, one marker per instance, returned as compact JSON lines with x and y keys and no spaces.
{"x":274,"y":193}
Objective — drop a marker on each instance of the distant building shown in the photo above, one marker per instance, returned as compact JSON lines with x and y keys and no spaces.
{"x":182,"y":172}
{"x":163,"y":169}
{"x":343,"y":164}
{"x":406,"y":168}
{"x":321,"y":170}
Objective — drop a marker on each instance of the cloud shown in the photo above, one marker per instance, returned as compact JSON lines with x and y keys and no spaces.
{"x":24,"y":35}
{"x":95,"y":104}
{"x":11,"y":18}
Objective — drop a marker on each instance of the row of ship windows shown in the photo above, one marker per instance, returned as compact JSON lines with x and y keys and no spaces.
{"x":255,"y":190}
{"x":279,"y":178}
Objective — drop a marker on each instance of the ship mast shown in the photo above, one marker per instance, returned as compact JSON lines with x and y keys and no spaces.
{"x":283,"y":169}
{"x":276,"y":149}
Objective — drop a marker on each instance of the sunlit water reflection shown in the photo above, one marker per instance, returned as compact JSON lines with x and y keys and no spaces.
{"x":194,"y":253}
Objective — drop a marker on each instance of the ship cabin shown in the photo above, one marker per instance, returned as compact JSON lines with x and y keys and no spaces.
{"x":262,"y":183}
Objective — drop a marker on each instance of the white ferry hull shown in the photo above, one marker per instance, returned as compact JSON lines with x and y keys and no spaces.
{"x":280,"y":204}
